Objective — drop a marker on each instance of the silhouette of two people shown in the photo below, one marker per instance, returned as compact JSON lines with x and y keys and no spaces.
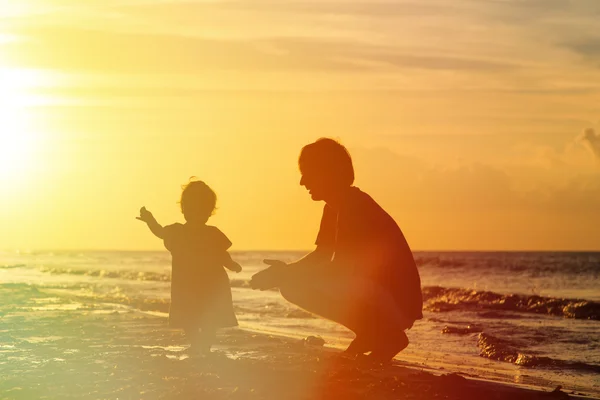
{"x":362,"y":273}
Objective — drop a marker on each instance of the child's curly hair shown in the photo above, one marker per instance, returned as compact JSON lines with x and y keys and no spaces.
{"x":197,"y":199}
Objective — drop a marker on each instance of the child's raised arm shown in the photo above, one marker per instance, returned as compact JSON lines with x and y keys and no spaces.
{"x":230,"y":264}
{"x":149,"y":219}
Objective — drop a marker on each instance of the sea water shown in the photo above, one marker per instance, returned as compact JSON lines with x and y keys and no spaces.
{"x":528,"y":318}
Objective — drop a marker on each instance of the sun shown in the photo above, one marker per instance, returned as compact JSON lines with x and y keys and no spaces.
{"x":11,"y":8}
{"x":17,"y":134}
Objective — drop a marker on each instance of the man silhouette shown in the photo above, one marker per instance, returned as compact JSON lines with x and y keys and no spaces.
{"x":362,"y":273}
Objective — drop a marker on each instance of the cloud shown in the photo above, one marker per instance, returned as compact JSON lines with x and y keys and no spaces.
{"x":384,"y":9}
{"x":412,"y":183}
{"x":376,"y":8}
{"x":408,"y":183}
{"x":94,"y":50}
{"x":106,"y":51}
{"x":580,"y":194}
{"x":592,"y":141}
{"x":588,"y":48}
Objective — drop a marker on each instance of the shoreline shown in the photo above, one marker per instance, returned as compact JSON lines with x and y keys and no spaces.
{"x":436,"y":370}
{"x":97,"y":352}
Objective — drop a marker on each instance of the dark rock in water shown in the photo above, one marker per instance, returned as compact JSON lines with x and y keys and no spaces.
{"x":557,"y":393}
{"x":299,"y":314}
{"x":460,"y":331}
{"x":314,"y":341}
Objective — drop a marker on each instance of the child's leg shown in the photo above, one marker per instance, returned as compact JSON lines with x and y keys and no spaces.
{"x":193,"y":337}
{"x":208,"y":337}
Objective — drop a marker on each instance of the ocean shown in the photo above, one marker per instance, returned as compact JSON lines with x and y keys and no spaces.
{"x":528,"y":318}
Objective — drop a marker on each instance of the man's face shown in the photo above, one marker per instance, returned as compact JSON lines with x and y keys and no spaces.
{"x":316,"y":182}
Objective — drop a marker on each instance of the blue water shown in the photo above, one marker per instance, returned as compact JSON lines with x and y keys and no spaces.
{"x":529,"y":318}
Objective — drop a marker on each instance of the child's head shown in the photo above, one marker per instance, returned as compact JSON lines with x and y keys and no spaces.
{"x":198,"y":201}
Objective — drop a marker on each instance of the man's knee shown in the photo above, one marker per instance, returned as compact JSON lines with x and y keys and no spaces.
{"x":289,"y":292}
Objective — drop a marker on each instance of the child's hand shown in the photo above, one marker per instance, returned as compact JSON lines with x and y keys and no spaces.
{"x":235,"y":267}
{"x":145,"y":215}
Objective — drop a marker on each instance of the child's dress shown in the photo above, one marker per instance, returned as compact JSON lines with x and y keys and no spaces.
{"x":200,"y":290}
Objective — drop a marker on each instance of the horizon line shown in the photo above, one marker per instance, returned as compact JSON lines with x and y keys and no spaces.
{"x":113,"y":250}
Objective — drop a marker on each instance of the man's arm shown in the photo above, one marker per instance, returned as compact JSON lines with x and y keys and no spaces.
{"x":319,"y":256}
{"x":278,"y":270}
{"x":315,"y":259}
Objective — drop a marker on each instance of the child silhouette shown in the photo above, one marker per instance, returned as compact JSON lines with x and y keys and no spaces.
{"x":201,"y":299}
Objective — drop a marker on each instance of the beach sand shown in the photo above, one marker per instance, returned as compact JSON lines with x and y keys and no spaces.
{"x":55,"y":350}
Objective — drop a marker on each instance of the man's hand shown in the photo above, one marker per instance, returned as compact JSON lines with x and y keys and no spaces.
{"x":270,"y":277}
{"x":145,"y":215}
{"x":275,"y":263}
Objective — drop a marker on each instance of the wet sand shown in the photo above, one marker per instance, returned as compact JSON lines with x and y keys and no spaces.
{"x":83,"y":351}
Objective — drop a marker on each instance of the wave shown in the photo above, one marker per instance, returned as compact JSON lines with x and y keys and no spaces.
{"x":440,"y":261}
{"x":502,"y":350}
{"x":94,"y":300}
{"x":135,"y":275}
{"x":437,"y":299}
{"x":10,"y":266}
{"x":440,"y":299}
{"x":509,"y":262}
{"x":239,"y":283}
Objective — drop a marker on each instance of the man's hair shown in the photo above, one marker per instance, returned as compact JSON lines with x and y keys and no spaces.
{"x":329,"y":156}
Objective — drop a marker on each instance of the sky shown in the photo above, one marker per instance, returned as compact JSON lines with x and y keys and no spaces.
{"x":475,"y":124}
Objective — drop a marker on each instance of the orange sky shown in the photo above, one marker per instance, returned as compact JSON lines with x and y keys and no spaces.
{"x":466,"y":120}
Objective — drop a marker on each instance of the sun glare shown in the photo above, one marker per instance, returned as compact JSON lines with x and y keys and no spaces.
{"x":17,"y":134}
{"x":12,"y":8}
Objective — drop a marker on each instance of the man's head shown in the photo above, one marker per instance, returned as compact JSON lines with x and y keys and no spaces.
{"x":326,"y":168}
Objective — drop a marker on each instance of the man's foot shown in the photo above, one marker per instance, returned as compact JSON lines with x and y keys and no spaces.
{"x":358,"y":346}
{"x":389,"y":348}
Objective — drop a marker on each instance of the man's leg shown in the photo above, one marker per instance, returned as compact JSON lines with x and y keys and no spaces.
{"x":324,"y":304}
{"x":313,"y":298}
{"x":361,"y":306}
